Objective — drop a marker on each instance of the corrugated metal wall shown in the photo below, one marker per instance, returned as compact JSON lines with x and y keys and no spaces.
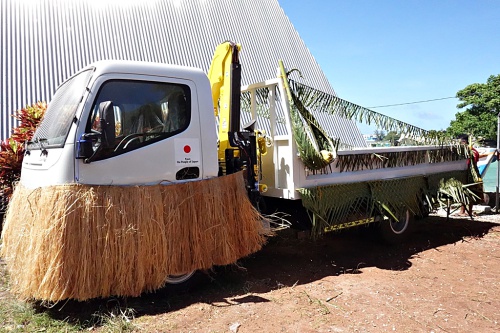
{"x":45,"y":41}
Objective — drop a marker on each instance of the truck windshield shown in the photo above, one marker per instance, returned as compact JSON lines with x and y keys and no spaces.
{"x":56,"y":122}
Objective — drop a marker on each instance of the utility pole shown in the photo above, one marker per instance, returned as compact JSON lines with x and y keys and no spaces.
{"x":498,"y":163}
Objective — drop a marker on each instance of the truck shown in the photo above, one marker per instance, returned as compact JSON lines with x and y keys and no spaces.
{"x":127,"y":147}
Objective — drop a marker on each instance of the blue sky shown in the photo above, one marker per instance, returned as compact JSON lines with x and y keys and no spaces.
{"x":389,"y":52}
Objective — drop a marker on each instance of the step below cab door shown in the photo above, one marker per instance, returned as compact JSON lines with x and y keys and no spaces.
{"x":139,"y":130}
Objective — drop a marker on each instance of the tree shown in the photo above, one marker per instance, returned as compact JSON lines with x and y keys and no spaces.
{"x":392,"y":137}
{"x":483,"y":125}
{"x":379,"y":134}
{"x":482,"y":103}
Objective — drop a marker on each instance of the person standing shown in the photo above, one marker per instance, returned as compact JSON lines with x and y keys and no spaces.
{"x":464,"y":140}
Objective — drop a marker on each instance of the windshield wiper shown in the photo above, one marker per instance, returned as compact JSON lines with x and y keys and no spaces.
{"x":42,"y":147}
{"x":37,"y":141}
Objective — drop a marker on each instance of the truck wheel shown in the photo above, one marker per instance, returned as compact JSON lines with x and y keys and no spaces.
{"x":394,"y":232}
{"x":179,"y":279}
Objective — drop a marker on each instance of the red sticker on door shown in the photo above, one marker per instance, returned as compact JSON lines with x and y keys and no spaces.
{"x":187,"y":152}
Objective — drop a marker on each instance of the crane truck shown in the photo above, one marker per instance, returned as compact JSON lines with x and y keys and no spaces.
{"x":129,"y":123}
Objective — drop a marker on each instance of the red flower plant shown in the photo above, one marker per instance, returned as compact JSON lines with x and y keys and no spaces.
{"x":12,"y":149}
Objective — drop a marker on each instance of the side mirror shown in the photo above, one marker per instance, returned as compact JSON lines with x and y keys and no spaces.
{"x":107,"y":117}
{"x":85,"y":145}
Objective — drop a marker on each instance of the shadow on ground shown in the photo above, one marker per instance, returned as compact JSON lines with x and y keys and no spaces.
{"x":285,"y":261}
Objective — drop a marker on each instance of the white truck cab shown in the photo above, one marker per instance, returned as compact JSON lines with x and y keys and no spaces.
{"x":161,"y":113}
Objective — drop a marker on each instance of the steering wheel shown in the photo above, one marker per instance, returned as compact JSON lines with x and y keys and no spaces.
{"x":126,"y":140}
{"x":158,"y":128}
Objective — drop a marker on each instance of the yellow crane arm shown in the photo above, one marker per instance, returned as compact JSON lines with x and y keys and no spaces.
{"x":225,"y":80}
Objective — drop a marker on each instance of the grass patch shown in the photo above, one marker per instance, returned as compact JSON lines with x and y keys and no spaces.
{"x":22,"y":317}
{"x":117,"y":321}
{"x":17,"y":316}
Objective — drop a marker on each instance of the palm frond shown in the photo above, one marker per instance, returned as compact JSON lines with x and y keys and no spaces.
{"x":369,"y":161}
{"x":453,"y":190}
{"x":338,"y":206}
{"x":316,"y":148}
{"x":334,"y":205}
{"x":314,"y":99}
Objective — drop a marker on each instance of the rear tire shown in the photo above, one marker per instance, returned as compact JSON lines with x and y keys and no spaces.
{"x":395,"y":232}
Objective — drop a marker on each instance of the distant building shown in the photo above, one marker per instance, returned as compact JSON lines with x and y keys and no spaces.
{"x":371,"y":140}
{"x":46,"y":41}
{"x":370,"y":137}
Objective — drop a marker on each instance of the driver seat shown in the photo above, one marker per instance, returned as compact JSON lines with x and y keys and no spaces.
{"x":147,"y":120}
{"x":175,"y":115}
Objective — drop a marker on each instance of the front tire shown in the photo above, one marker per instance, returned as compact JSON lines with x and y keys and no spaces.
{"x":179,"y":279}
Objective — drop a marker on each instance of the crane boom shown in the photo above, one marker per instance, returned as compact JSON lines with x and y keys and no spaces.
{"x":225,"y":80}
{"x":237,"y":148}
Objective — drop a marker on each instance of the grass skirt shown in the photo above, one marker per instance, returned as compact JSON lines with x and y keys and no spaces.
{"x":82,"y":242}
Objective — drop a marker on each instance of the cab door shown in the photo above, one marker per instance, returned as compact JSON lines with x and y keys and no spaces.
{"x":156,"y":132}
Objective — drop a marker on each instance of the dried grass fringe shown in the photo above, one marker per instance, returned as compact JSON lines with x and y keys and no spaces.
{"x":82,"y":242}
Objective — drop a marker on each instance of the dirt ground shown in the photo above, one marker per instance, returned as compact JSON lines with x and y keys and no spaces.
{"x":446,"y":278}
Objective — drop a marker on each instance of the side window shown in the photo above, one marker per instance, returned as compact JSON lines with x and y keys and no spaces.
{"x":145,"y":112}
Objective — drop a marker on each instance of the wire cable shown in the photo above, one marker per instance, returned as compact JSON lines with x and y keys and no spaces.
{"x":429,"y":100}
